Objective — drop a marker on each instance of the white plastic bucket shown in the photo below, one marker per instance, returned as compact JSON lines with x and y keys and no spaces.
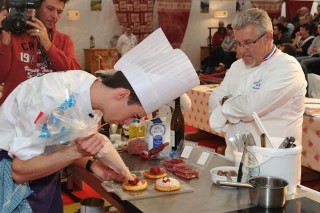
{"x":282,"y":163}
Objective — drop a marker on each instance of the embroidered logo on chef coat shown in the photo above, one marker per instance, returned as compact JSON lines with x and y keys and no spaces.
{"x":256,"y":84}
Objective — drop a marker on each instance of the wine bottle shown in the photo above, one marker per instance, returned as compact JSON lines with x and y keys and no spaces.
{"x":177,"y":125}
{"x":92,"y":43}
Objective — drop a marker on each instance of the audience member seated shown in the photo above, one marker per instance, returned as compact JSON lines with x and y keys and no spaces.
{"x":290,"y":27}
{"x":316,"y":17}
{"x":303,"y":40}
{"x":295,"y":20}
{"x":221,"y":57}
{"x":219,"y":36}
{"x":302,"y":20}
{"x":229,"y":53}
{"x":289,"y":49}
{"x":280,"y":35}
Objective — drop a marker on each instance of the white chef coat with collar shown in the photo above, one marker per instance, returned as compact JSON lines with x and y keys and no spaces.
{"x":39,"y":94}
{"x":275,"y":90}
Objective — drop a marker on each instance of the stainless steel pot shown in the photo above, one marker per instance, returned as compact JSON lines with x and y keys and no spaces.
{"x":265,"y":191}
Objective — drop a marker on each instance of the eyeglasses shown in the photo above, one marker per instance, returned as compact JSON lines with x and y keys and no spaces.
{"x":247,"y":44}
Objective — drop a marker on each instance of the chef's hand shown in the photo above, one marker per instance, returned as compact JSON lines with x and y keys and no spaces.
{"x":90,"y":145}
{"x":5,"y":36}
{"x":106,"y":173}
{"x":40,"y":31}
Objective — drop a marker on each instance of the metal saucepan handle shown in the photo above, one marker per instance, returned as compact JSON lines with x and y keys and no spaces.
{"x":234,"y":184}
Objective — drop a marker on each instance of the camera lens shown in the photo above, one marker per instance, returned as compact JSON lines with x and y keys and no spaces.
{"x":18,"y":24}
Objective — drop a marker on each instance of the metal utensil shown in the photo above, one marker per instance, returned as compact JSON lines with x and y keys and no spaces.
{"x":250,"y":140}
{"x":240,"y":172}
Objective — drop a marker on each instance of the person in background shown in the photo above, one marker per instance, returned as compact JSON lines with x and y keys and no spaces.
{"x":29,"y":164}
{"x":280,"y":35}
{"x":264,"y":80}
{"x":289,"y":49}
{"x":303,"y":40}
{"x":283,"y":20}
{"x":316,"y":17}
{"x":229,"y":53}
{"x":295,"y":20}
{"x":126,"y":41}
{"x":219,"y":36}
{"x":39,"y":50}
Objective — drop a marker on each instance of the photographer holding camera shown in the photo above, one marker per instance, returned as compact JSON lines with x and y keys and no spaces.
{"x":32,"y":46}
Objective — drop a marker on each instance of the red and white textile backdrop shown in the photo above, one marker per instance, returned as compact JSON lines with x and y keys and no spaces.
{"x":292,"y":6}
{"x":273,"y":7}
{"x":173,"y":17}
{"x":135,"y":13}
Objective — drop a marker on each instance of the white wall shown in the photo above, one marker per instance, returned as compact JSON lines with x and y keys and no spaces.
{"x":103,"y":25}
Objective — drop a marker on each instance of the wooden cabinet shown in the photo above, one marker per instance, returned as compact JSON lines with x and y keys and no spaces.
{"x":204,"y":52}
{"x":107,"y":56}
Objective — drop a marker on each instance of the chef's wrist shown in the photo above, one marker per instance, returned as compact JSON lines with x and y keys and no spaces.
{"x":89,"y":164}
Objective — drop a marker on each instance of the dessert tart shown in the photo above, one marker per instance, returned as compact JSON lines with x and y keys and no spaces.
{"x":135,"y":185}
{"x":167,"y":184}
{"x":155,"y":173}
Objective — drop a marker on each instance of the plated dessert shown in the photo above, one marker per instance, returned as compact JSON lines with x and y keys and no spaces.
{"x":167,"y":184}
{"x":155,"y":173}
{"x":135,"y":185}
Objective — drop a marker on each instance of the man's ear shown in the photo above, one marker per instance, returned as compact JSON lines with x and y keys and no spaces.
{"x":123,"y":94}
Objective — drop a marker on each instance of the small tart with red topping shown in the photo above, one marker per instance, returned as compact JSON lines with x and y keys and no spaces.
{"x":167,"y":184}
{"x":155,"y":173}
{"x":135,"y":185}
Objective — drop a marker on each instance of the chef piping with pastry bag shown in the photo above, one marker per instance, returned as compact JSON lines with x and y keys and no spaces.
{"x":51,"y":121}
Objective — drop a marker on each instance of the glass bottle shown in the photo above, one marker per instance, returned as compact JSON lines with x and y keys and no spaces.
{"x":177,"y":125}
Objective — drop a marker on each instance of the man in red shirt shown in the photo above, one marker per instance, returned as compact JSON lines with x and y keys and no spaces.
{"x":37,"y":51}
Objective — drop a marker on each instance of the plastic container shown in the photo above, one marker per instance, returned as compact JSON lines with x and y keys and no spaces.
{"x":187,"y":171}
{"x":283,"y":163}
{"x":170,"y":165}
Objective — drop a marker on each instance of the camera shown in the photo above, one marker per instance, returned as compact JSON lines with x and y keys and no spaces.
{"x":16,"y":20}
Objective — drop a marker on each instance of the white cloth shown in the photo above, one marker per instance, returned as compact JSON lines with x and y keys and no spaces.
{"x":275,"y":90}
{"x":126,"y":43}
{"x":23,"y":105}
{"x":314,"y":85}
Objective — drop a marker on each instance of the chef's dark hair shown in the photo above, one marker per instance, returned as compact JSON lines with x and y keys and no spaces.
{"x":118,"y":80}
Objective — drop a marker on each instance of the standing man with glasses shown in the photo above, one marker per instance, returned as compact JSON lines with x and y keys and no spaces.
{"x":264,"y":80}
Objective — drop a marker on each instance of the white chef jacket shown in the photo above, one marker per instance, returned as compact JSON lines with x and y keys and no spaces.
{"x":126,"y":43}
{"x":39,"y":94}
{"x":275,"y":90}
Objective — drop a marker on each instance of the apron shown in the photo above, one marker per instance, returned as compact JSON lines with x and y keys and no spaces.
{"x":46,"y":197}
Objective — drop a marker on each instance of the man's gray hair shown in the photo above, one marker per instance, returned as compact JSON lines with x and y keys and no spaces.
{"x":253,"y":16}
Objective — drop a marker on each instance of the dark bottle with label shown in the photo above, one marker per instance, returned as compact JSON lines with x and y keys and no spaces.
{"x":177,"y":125}
{"x":92,"y":45}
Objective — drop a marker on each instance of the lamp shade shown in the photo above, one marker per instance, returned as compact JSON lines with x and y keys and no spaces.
{"x":73,"y":15}
{"x":220,"y":14}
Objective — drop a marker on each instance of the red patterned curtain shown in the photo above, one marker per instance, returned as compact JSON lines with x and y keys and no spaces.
{"x":173,"y":18}
{"x":292,"y":6}
{"x":273,"y":7}
{"x":135,"y":13}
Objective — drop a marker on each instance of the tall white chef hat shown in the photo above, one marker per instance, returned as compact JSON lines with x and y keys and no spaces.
{"x":157,"y":73}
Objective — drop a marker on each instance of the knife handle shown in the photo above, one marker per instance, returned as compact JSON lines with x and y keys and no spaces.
{"x":239,"y":176}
